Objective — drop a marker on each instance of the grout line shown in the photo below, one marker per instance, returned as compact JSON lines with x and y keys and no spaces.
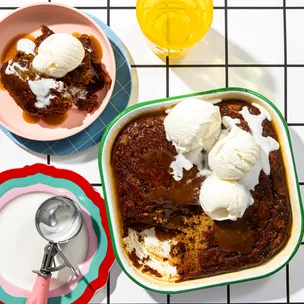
{"x":96,"y":184}
{"x":148,"y":65}
{"x":285,"y":62}
{"x":48,"y":159}
{"x":108,"y":12}
{"x":226,"y":45}
{"x":287,"y":284}
{"x":295,"y":124}
{"x":109,"y":289}
{"x":253,"y":65}
{"x":226,"y":84}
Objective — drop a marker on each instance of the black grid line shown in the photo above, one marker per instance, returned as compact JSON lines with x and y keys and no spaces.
{"x":226,"y":45}
{"x":287,"y":284}
{"x":109,"y":289}
{"x":96,"y":184}
{"x":295,"y":124}
{"x":221,"y":65}
{"x":108,"y":12}
{"x":285,"y":61}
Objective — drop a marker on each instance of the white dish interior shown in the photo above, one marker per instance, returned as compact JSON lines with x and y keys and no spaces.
{"x":265,"y":269}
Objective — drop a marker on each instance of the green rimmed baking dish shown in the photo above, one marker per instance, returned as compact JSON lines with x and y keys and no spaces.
{"x":261,"y":271}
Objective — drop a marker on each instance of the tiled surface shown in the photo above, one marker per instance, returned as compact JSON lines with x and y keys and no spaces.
{"x":255,"y":38}
{"x":269,"y":81}
{"x":148,"y":84}
{"x":189,"y":80}
{"x":83,"y":3}
{"x":294,"y":3}
{"x":295,"y":45}
{"x":12,"y":3}
{"x":211,"y":295}
{"x":260,"y":3}
{"x":261,"y":291}
{"x":295,"y":97}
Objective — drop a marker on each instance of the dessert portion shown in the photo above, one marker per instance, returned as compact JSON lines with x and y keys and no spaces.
{"x":201,"y":189}
{"x":55,"y":72}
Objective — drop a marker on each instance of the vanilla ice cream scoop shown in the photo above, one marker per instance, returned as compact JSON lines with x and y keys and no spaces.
{"x":58,"y":55}
{"x":193,"y":123}
{"x":223,"y":199}
{"x":233,"y":155}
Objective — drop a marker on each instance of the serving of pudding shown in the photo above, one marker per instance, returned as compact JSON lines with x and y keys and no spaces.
{"x":201,"y":189}
{"x":55,"y":72}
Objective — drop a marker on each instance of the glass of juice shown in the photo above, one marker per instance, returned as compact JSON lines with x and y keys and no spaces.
{"x":172,"y":27}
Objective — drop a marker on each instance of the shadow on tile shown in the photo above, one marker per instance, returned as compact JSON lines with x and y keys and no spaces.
{"x":249,"y":78}
{"x":211,"y":49}
{"x":116,"y":271}
{"x":298,"y":147}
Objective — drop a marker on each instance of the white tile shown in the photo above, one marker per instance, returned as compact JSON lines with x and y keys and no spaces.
{"x":271,"y":289}
{"x":211,"y":49}
{"x":4,"y":3}
{"x":219,"y":3}
{"x":124,"y":290}
{"x":266,"y":81}
{"x":294,"y":3}
{"x":297,"y":138}
{"x":255,"y":3}
{"x":210,"y":295}
{"x":13,"y":156}
{"x":253,"y":38}
{"x":296,"y":269}
{"x":83,"y":3}
{"x":191,"y":80}
{"x":4,"y":13}
{"x":123,"y":2}
{"x":295,"y":99}
{"x":100,"y":296}
{"x":295,"y":39}
{"x":131,"y":35}
{"x":99,"y":13}
{"x":148,"y":84}
{"x":84,"y":163}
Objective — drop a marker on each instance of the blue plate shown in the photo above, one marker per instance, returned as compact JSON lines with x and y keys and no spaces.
{"x":91,"y":135}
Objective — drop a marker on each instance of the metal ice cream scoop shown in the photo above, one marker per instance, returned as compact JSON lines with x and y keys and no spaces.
{"x":58,"y":220}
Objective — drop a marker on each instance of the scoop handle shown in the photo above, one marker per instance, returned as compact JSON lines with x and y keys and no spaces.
{"x":40,"y":291}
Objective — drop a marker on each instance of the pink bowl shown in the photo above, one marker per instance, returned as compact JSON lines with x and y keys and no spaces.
{"x":60,"y":18}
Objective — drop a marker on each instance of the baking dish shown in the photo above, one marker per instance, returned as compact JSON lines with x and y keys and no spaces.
{"x":266,"y":269}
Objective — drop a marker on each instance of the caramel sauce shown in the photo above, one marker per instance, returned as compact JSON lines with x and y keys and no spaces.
{"x":10,"y":49}
{"x":163,"y":235}
{"x":235,"y":236}
{"x":95,"y":45}
{"x":51,"y":120}
{"x":30,"y":119}
{"x":55,"y":119}
{"x":183,"y":192}
{"x":76,"y":35}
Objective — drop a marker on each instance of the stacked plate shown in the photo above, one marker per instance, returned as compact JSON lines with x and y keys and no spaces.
{"x":79,"y":131}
